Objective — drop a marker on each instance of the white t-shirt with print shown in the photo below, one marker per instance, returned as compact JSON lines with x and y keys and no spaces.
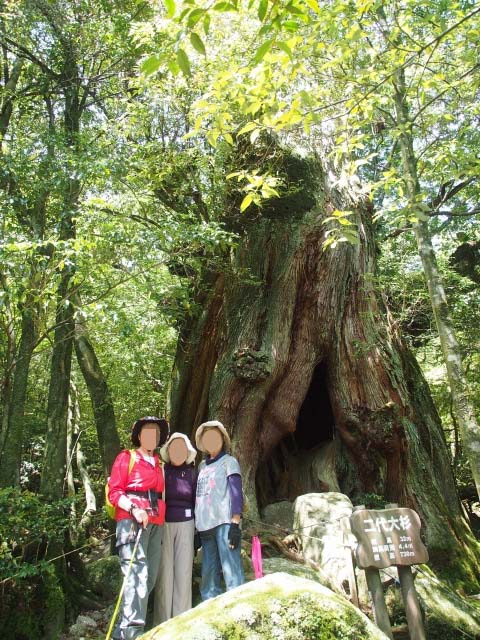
{"x":212,"y":503}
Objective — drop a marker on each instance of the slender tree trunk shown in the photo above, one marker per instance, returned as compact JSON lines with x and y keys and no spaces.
{"x":74,"y":450}
{"x":53,"y":471}
{"x":463,"y":407}
{"x":8,"y":93}
{"x":20,"y":367}
{"x":10,"y":78}
{"x":90,"y":500}
{"x":294,"y":352}
{"x":12,"y":449}
{"x":10,"y":353}
{"x":70,"y":452}
{"x":33,"y":220}
{"x":100,"y":396}
{"x":57,"y":409}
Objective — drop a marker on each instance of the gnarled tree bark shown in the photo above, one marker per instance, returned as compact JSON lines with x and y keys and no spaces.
{"x":295,"y":353}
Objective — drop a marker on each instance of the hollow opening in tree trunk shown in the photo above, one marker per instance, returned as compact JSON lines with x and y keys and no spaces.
{"x":303,"y":461}
{"x":315,"y":420}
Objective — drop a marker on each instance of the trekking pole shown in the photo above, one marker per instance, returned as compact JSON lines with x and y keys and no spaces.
{"x":119,"y":599}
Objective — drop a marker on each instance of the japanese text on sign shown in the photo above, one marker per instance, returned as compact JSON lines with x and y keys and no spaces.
{"x":388,"y":537}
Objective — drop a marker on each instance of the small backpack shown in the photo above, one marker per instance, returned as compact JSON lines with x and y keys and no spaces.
{"x":109,"y":508}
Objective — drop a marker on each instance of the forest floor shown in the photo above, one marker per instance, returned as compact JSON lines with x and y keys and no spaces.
{"x":93,"y":624}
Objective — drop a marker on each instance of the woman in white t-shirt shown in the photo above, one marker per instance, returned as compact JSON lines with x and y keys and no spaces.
{"x":218,"y":510}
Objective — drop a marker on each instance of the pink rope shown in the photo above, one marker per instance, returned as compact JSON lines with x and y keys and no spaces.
{"x":257,"y":557}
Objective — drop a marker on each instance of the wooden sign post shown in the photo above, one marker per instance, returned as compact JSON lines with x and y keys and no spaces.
{"x":390,"y":537}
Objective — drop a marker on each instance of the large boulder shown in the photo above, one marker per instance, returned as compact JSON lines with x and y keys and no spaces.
{"x":284,"y":565}
{"x":322,"y":526}
{"x":277,"y":607}
{"x":84,"y":626}
{"x":104,"y":576}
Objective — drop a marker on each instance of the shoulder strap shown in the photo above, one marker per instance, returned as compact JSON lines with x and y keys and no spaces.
{"x":133,"y":458}
{"x":161,"y":465}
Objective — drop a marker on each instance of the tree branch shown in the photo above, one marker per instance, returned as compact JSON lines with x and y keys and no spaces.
{"x":18,"y":48}
{"x":448,"y":88}
{"x":455,"y":213}
{"x":446,"y":192}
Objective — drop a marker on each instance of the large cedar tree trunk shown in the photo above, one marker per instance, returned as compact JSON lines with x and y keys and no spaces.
{"x":295,"y":353}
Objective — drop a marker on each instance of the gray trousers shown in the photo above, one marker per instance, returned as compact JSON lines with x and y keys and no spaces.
{"x":173,"y":590}
{"x":143,"y":574}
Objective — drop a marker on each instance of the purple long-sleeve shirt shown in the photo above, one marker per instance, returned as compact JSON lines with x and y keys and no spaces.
{"x":234,"y":487}
{"x":236,"y":496}
{"x":180,"y":490}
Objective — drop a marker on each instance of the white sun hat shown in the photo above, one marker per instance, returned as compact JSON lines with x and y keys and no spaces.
{"x":192,"y":454}
{"x":208,"y":425}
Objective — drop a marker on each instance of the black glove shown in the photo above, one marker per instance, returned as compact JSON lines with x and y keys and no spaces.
{"x":234,"y":535}
{"x":197,"y":542}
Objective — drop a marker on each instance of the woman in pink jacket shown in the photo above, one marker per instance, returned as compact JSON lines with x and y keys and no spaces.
{"x":136,"y":492}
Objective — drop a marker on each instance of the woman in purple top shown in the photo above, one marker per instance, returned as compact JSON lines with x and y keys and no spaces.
{"x":173,"y":589}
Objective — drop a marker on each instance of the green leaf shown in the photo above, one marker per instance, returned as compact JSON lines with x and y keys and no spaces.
{"x":150,"y":65}
{"x":284,"y":47}
{"x":173,"y":67}
{"x":246,"y":202}
{"x":262,"y":9}
{"x":194,"y":17}
{"x":228,"y":138}
{"x":248,"y":127}
{"x":294,"y":10}
{"x":253,"y":107}
{"x":184,"y":62}
{"x":184,"y":13}
{"x":354,"y":33}
{"x":262,"y":51}
{"x":171,"y":8}
{"x":206,"y":23}
{"x":313,"y":4}
{"x":290,"y":25}
{"x":224,"y":6}
{"x":212,"y":137}
{"x":197,"y":43}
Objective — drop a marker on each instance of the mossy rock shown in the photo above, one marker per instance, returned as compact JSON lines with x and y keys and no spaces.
{"x":105,"y":576}
{"x":277,"y":607}
{"x":448,"y":615}
{"x":284,"y":565}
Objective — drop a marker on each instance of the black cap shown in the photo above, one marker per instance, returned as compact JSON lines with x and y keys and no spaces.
{"x":138,"y":424}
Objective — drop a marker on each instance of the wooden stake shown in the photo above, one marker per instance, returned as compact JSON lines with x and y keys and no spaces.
{"x":412,"y":605}
{"x":380,"y":612}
